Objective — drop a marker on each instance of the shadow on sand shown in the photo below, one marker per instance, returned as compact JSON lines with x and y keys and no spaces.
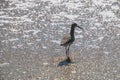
{"x":64,"y":63}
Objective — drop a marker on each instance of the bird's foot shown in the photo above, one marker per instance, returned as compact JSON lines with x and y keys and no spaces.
{"x":68,"y":60}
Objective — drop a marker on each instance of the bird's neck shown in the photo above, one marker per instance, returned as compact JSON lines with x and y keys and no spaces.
{"x":72,"y":31}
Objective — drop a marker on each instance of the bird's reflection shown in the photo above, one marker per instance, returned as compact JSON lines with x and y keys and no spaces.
{"x":64,"y":62}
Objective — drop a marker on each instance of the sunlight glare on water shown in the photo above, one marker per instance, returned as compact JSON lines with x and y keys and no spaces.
{"x":42,"y":23}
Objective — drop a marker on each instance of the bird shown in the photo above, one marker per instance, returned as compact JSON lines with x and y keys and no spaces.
{"x":68,"y":39}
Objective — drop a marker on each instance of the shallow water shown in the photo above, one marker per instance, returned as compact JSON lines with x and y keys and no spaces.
{"x":37,"y":26}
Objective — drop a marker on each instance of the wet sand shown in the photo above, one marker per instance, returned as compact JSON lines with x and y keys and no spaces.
{"x":42,"y":67}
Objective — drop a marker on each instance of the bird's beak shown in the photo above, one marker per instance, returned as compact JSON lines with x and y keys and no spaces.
{"x":80,"y":28}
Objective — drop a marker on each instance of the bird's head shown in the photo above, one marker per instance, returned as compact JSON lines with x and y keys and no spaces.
{"x":75,"y":25}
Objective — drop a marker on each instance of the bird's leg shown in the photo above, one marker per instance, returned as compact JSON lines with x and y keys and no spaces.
{"x":67,"y":54}
{"x":66,"y":50}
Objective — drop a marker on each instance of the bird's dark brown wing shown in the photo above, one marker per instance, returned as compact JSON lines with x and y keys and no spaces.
{"x":65,"y":39}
